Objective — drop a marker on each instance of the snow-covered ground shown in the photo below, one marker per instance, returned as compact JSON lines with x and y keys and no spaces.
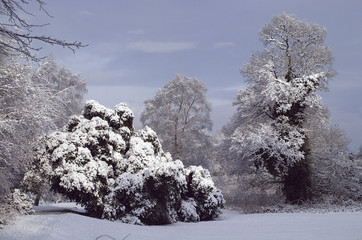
{"x":232,"y":225}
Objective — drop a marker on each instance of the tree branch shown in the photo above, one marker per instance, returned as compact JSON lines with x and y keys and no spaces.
{"x":16,"y":37}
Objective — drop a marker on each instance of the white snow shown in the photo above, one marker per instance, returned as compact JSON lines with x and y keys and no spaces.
{"x":232,"y":225}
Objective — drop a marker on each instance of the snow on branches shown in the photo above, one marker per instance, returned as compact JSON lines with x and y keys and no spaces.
{"x":270,"y":97}
{"x":275,"y":110}
{"x":33,"y":102}
{"x":180,"y":114}
{"x":115,"y":172}
{"x":265,"y":146}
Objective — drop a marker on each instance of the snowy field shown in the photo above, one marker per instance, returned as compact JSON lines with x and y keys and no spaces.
{"x":48,"y":225}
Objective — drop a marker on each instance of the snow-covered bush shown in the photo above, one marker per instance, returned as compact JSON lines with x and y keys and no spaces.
{"x":202,"y":191}
{"x":20,"y":202}
{"x":115,"y":172}
{"x":15,"y":203}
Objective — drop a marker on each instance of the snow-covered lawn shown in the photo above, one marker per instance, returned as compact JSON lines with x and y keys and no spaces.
{"x":232,"y":225}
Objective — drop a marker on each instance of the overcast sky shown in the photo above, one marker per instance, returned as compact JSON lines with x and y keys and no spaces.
{"x":135,"y":47}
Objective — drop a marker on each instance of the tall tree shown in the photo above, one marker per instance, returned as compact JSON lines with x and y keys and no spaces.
{"x":32,"y":102}
{"x":16,"y":31}
{"x":274,"y":109}
{"x":180,"y":115}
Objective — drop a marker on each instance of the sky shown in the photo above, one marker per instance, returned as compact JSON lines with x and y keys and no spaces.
{"x":136,"y":46}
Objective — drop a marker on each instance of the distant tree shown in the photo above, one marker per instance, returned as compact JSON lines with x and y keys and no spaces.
{"x":359,"y":154}
{"x":180,"y":114}
{"x":273,"y":111}
{"x":117,"y":173}
{"x":32,"y":102}
{"x":335,"y":175}
{"x":16,"y":31}
{"x":65,"y":88}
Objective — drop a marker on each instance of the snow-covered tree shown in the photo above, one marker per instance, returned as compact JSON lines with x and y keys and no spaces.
{"x":272,"y":112}
{"x":296,"y":48}
{"x":336,"y":176}
{"x":180,"y":114}
{"x":115,"y":172}
{"x":359,"y":154}
{"x":32,"y":102}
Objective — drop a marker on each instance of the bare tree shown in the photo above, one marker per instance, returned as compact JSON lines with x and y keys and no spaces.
{"x":336,"y":174}
{"x":16,"y":33}
{"x":180,"y":115}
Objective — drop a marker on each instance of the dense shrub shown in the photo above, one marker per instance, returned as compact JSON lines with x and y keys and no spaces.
{"x":118,"y":173}
{"x":15,"y":203}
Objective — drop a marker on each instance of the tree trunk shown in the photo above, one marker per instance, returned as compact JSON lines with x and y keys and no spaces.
{"x":297,"y":182}
{"x":37,"y":199}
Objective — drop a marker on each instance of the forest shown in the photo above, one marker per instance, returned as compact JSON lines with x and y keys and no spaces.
{"x":280,"y":150}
